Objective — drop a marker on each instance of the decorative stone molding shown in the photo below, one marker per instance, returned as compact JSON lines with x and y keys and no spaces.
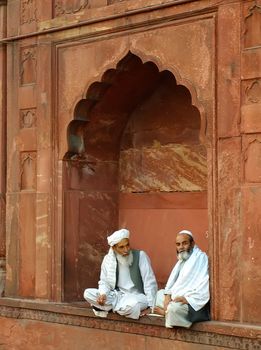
{"x":27,"y":118}
{"x":28,"y":11}
{"x":62,"y":7}
{"x":207,"y":334}
{"x":252,"y":33}
{"x":28,"y":171}
{"x":28,"y":65}
{"x":253,"y":91}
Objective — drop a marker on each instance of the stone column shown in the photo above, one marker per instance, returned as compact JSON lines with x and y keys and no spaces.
{"x":2,"y":144}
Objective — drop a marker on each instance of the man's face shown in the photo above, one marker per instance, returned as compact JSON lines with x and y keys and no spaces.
{"x":123,"y":247}
{"x":183,"y":243}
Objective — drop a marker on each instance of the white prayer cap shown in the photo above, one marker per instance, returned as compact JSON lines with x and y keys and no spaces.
{"x":117,"y":236}
{"x":186,"y":232}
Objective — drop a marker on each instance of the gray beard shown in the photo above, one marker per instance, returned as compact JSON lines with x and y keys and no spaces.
{"x":183,"y":256}
{"x":125,"y":260}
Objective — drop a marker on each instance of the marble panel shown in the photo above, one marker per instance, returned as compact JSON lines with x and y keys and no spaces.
{"x":89,"y":218}
{"x":163,"y":169}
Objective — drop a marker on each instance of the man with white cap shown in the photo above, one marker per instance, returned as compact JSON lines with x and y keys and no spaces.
{"x":127,"y":283}
{"x":185,"y":298}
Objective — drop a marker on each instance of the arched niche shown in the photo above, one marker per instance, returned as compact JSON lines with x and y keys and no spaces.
{"x":135,"y":159}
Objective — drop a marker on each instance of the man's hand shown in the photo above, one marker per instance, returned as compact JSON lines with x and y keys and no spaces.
{"x":167,"y":300}
{"x":101,"y":299}
{"x":181,"y":300}
{"x":145,"y":312}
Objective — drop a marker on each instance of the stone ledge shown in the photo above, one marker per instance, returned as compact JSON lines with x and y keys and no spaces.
{"x":226,"y":334}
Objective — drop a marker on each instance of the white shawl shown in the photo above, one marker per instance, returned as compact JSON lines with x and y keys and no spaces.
{"x":108,"y":273}
{"x":190,"y":280}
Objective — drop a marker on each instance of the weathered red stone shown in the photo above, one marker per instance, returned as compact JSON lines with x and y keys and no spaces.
{"x":143,"y":114}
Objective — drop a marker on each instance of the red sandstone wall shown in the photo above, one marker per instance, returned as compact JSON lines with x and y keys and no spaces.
{"x":27,"y":334}
{"x":215,"y":53}
{"x":2,"y":147}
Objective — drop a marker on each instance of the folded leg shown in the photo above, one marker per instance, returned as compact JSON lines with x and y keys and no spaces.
{"x":131,"y":305}
{"x":91,"y":294}
{"x":177,"y":315}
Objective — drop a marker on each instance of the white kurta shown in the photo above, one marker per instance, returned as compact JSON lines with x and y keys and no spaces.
{"x":127,"y":301}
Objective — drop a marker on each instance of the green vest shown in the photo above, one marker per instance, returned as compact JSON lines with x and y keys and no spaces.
{"x":134,"y":272}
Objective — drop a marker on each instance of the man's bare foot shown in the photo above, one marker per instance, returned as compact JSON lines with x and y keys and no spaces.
{"x":159,"y":311}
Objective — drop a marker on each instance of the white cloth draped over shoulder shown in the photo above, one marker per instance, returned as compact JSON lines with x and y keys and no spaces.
{"x":108,"y":272}
{"x":107,"y":281}
{"x":190,"y":280}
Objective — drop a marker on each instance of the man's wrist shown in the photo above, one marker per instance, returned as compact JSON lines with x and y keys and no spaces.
{"x":166,"y":293}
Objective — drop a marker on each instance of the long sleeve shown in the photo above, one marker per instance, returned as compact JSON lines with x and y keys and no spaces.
{"x":104,"y":287}
{"x":148,"y":277}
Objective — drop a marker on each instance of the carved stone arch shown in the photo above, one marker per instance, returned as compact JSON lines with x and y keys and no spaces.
{"x":100,"y":84}
{"x":107,"y":66}
{"x":180,"y":81}
{"x":144,"y":57}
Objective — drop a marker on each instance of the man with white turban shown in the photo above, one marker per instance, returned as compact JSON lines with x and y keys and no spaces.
{"x":127,"y":283}
{"x":185,"y":298}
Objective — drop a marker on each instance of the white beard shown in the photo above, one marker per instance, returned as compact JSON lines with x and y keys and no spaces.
{"x":184,"y":255}
{"x":125,"y":260}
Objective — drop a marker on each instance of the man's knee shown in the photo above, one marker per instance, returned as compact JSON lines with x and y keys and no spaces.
{"x":131,"y":309}
{"x":177,"y":315}
{"x":90,"y":294}
{"x":177,"y":309}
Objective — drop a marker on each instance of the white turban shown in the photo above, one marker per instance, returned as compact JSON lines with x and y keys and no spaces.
{"x":186,"y":232}
{"x":117,"y":236}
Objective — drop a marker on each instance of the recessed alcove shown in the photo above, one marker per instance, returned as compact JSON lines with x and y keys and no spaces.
{"x":134,"y":159}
